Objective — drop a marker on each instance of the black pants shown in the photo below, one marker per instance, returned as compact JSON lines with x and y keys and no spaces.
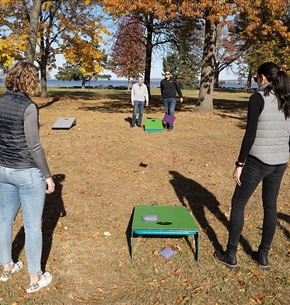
{"x":252,"y":174}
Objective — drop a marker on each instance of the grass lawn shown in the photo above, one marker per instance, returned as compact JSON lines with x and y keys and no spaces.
{"x":100,"y":175}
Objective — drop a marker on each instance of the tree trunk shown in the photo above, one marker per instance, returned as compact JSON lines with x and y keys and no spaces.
{"x":148,"y":59}
{"x":33,"y":29}
{"x":249,"y":81}
{"x":205,"y":98}
{"x":43,"y":81}
{"x":83,"y":84}
{"x":128,"y":84}
{"x":216,"y":75}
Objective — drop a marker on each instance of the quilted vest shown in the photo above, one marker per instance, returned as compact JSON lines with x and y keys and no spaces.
{"x":271,"y":145}
{"x":14,"y":152}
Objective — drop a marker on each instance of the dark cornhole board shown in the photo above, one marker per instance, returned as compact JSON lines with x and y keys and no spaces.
{"x":153,"y":125}
{"x":64,"y":123}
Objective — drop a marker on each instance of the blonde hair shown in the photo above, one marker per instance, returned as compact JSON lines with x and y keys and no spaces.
{"x":22,"y":77}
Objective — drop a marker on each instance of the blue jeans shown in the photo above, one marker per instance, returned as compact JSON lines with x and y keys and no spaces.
{"x":252,"y":174}
{"x":169,"y":105}
{"x":138,"y":105}
{"x":25,"y":187}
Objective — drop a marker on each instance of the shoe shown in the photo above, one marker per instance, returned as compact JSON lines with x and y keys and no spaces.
{"x":132,"y":126}
{"x":46,"y":279}
{"x":227,"y":258}
{"x":263,"y":258}
{"x":7,"y":274}
{"x":139,"y":125}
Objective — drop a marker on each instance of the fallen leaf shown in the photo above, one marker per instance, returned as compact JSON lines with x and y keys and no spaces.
{"x":80,"y":300}
{"x":176,"y":272}
{"x":168,"y":262}
{"x":181,"y":300}
{"x":254,"y":272}
{"x":156,"y":253}
{"x":188,"y":279}
{"x":198,"y":288}
{"x":123,"y":263}
{"x":153,"y":282}
{"x":95,"y":234}
{"x":242,"y":283}
{"x":95,"y":301}
{"x":100,"y":290}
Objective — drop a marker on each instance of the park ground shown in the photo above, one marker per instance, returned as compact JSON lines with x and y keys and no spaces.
{"x":103,"y":168}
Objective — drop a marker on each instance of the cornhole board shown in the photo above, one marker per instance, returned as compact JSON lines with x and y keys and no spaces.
{"x":64,"y":123}
{"x":171,"y":221}
{"x":153,"y":125}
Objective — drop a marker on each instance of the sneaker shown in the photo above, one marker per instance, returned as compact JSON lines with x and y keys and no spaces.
{"x":7,"y":274}
{"x":46,"y":278}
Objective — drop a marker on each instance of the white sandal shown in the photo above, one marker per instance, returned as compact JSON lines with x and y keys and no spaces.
{"x":46,"y":278}
{"x":6,"y":274}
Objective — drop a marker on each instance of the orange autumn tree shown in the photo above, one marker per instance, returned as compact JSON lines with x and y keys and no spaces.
{"x":64,"y":27}
{"x":264,"y":32}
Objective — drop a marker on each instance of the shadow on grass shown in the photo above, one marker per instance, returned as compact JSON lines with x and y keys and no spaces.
{"x":54,"y":100}
{"x":193,"y":195}
{"x":286,"y":218}
{"x":53,"y":209}
{"x":119,"y":101}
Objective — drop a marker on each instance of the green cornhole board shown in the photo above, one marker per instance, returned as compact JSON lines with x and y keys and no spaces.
{"x":153,"y":125}
{"x":172,"y":221}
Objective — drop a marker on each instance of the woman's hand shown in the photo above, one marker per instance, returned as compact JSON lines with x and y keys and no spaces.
{"x":50,"y":186}
{"x":236,"y":175}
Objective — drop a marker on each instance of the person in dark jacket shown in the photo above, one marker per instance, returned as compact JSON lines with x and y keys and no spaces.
{"x":169,"y":87}
{"x":263,"y":158}
{"x":24,"y":174}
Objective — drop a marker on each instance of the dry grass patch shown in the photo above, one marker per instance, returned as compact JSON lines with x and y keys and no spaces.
{"x":99,"y":180}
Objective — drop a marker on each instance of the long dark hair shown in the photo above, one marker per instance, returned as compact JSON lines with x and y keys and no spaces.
{"x":279,"y":85}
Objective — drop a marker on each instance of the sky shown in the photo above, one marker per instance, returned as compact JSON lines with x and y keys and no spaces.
{"x":156,"y":70}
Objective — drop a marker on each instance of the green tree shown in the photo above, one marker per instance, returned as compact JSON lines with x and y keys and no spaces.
{"x":184,"y":52}
{"x":69,"y":72}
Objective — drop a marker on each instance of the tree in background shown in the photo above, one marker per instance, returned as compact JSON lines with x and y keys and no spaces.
{"x":13,"y":34}
{"x":70,"y":71}
{"x":264,"y":33}
{"x":65,"y":26}
{"x":227,"y":52}
{"x":155,"y":16}
{"x":33,"y":27}
{"x":128,"y":52}
{"x":213,"y":13}
{"x":183,"y":58}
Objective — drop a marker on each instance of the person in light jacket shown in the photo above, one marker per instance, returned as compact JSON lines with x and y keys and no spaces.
{"x":139,"y":96}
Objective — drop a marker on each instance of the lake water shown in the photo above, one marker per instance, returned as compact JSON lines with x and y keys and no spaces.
{"x":122,"y":83}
